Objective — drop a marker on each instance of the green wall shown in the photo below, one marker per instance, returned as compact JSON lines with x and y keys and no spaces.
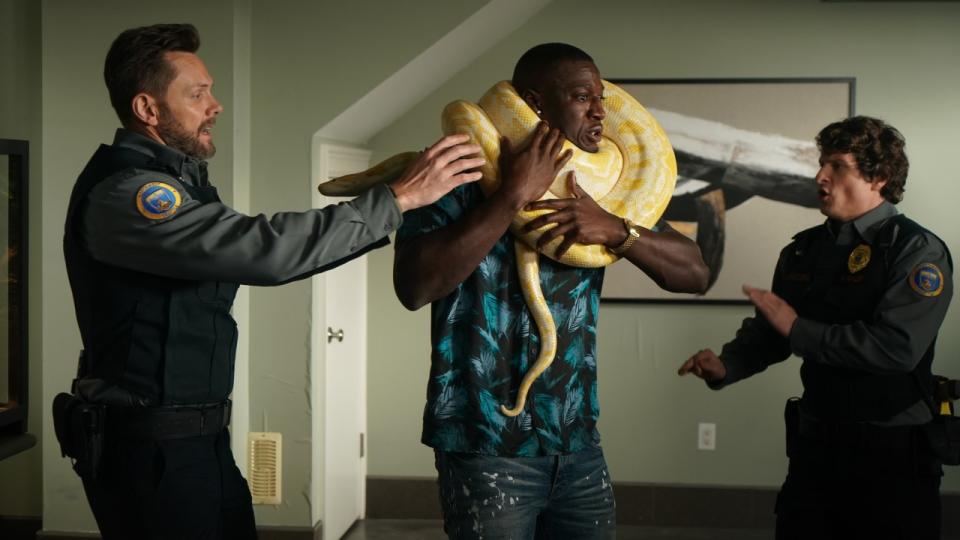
{"x":20,"y":119}
{"x":903,"y":56}
{"x":310,"y":61}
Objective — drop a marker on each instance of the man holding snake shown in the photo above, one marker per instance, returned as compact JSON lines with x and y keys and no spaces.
{"x":541,"y":473}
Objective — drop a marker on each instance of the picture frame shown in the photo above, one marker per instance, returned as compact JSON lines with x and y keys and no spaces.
{"x":746,"y":161}
{"x":14,"y":368}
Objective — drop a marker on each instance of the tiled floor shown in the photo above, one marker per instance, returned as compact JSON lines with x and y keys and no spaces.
{"x":421,"y":529}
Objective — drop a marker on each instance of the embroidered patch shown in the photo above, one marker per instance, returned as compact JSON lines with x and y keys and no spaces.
{"x":926,"y":279}
{"x":859,"y":258}
{"x":158,"y":200}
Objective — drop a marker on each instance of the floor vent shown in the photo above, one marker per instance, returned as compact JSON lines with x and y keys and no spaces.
{"x":263,"y":469}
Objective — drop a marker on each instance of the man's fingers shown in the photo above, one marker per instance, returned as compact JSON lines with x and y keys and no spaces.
{"x":752,"y":291}
{"x":549,"y":235}
{"x":553,"y":143}
{"x":466,"y":178}
{"x":538,"y":135}
{"x":558,"y":142}
{"x":506,"y":147}
{"x":562,"y":160}
{"x":547,"y":204}
{"x":567,"y":242}
{"x":464,"y":164}
{"x":454,"y":153}
{"x":572,"y":183}
{"x":700,"y":364}
{"x":447,"y":142}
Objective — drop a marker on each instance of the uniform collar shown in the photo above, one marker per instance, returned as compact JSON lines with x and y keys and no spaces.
{"x":866,"y":226}
{"x":185,"y":168}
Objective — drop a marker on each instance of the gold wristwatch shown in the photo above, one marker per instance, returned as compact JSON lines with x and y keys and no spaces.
{"x":633,"y":232}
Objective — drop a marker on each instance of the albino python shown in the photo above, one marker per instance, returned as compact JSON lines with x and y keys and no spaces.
{"x":631,"y":176}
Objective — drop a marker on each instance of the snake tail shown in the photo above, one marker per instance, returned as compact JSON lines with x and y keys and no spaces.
{"x":351,"y":185}
{"x":528,"y":267}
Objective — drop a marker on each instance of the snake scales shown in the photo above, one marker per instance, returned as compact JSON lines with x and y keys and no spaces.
{"x":632,"y":175}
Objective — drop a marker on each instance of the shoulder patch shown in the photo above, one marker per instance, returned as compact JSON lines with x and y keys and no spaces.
{"x":926,"y":279}
{"x":158,"y":200}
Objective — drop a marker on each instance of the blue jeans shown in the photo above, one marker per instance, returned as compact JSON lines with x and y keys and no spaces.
{"x":566,"y":497}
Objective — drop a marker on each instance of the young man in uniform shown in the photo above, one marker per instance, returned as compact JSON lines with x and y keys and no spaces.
{"x":860,"y":299}
{"x":541,"y":473}
{"x":154,"y":260}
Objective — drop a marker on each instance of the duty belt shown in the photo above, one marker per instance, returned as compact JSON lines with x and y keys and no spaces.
{"x":856,"y":434}
{"x":167,"y":422}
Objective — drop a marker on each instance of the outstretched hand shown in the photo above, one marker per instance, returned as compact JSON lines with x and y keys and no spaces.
{"x":776,"y":310}
{"x":706,"y":365}
{"x":578,"y":219}
{"x":440,"y":168}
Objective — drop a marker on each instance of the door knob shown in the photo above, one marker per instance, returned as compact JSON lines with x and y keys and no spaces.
{"x":331,"y":335}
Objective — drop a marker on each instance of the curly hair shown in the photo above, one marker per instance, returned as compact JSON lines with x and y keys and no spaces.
{"x":877,"y":147}
{"x":135,"y":62}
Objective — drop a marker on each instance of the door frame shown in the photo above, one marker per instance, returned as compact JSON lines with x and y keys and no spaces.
{"x":325,"y":155}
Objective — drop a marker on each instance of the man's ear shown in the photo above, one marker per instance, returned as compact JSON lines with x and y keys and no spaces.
{"x":877,"y":184}
{"x":145,"y":109}
{"x":532,"y":98}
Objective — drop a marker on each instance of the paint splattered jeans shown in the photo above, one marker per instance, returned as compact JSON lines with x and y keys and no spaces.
{"x":549,"y":497}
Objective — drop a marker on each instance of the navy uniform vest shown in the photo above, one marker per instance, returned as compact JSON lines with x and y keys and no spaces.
{"x":148,"y":340}
{"x":817,"y":281}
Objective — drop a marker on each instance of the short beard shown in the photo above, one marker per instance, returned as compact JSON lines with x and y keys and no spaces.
{"x":176,"y":136}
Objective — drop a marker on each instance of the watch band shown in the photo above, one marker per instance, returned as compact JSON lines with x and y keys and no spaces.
{"x":633,"y":232}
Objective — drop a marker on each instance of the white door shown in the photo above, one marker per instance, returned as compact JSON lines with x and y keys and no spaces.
{"x":340,"y":323}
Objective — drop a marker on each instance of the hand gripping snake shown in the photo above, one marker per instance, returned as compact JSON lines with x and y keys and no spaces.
{"x":632,"y":176}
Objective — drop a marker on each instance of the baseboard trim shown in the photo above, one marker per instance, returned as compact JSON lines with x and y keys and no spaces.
{"x":263,"y":533}
{"x":19,"y":527}
{"x":651,"y":505}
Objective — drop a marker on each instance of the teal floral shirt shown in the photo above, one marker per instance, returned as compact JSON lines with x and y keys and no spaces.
{"x":484,"y":339}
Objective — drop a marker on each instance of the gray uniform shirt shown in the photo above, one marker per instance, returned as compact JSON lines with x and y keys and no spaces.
{"x":211,"y":241}
{"x":894,"y":339}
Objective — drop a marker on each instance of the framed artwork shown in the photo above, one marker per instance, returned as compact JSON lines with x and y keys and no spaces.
{"x":746,"y":162}
{"x":13,"y":297}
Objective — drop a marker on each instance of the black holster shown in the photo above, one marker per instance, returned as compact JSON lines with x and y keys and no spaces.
{"x":943,"y":436}
{"x":79,"y":426}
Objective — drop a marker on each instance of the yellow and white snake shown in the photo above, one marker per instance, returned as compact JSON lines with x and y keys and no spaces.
{"x":632,"y":175}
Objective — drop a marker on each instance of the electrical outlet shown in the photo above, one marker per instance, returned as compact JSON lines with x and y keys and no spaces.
{"x":707,"y":436}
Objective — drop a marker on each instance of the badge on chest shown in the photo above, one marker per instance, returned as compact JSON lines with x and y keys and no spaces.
{"x":859,"y":258}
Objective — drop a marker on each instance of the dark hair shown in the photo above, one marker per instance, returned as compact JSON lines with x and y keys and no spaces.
{"x":136,"y":63}
{"x":540,"y":59}
{"x":877,"y":148}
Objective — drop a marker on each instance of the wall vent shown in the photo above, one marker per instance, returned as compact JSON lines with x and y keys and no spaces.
{"x":264,"y":467}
